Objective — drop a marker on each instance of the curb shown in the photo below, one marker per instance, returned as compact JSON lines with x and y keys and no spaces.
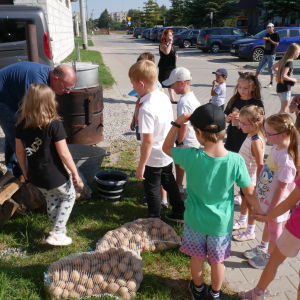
{"x":251,"y":67}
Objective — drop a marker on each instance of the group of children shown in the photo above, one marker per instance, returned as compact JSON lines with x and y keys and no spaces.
{"x":268,"y":189}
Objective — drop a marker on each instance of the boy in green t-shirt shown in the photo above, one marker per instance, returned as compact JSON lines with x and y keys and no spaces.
{"x":210,"y":174}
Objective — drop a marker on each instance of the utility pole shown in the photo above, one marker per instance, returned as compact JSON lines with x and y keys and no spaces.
{"x":87,"y":15}
{"x":92,"y":19}
{"x":83,"y":25}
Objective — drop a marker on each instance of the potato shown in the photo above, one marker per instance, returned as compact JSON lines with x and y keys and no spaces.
{"x":73,"y":294}
{"x":128,"y":234}
{"x":56,"y":276}
{"x":104,"y":256}
{"x":104,"y":244}
{"x":77,"y":261}
{"x":97,"y":290}
{"x":94,"y":269}
{"x":164,"y":230}
{"x":132,"y":246}
{"x":113,"y":262}
{"x":124,"y":242}
{"x":121,"y":282}
{"x":157,"y":223}
{"x":111,"y":278}
{"x":123,"y":291}
{"x":138,"y":276}
{"x":128,"y":274}
{"x":173,"y":233}
{"x":126,"y":297}
{"x":152,"y":247}
{"x":125,"y":261}
{"x":78,"y":195}
{"x":144,"y":234}
{"x":112,"y":241}
{"x":89,"y":292}
{"x":136,"y":267}
{"x":65,"y":294}
{"x":83,"y":279}
{"x":122,"y":267}
{"x":167,"y":237}
{"x":106,"y":268}
{"x":103,"y":285}
{"x":64,"y":275}
{"x":177,"y":239}
{"x":98,"y":278}
{"x":116,"y":272}
{"x":154,"y":232}
{"x":86,"y":266}
{"x":57,"y":291}
{"x":137,"y":238}
{"x":80,"y":288}
{"x":61,"y":284}
{"x":89,"y":283}
{"x":113,"y":288}
{"x":69,"y":285}
{"x":131,"y":284}
{"x":52,"y":286}
{"x":123,"y":230}
{"x":74,"y":276}
{"x":94,"y":261}
{"x":161,"y":246}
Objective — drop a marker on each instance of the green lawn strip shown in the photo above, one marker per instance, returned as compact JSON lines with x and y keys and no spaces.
{"x":166,"y":274}
{"x":105,"y":77}
{"x":79,"y":40}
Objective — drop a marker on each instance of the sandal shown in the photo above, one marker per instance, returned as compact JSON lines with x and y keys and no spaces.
{"x":238,"y":225}
{"x":243,"y":237}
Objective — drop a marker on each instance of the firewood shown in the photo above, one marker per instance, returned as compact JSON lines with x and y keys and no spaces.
{"x":22,"y":197}
{"x":37,"y":198}
{"x":8,"y":209}
{"x":3,"y":170}
{"x":5,"y":178}
{"x":9,"y":190}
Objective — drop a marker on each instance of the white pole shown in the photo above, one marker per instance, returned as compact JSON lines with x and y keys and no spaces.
{"x":83,"y":25}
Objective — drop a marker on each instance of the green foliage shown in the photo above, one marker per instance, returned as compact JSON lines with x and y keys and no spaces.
{"x":152,"y":14}
{"x":104,"y":20}
{"x":134,"y":14}
{"x":279,"y":8}
{"x":177,"y":13}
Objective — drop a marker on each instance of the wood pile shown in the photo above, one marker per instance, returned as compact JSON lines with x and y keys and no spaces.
{"x":17,"y":196}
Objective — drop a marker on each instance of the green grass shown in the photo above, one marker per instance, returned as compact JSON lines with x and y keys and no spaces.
{"x":79,"y":40}
{"x":105,"y":77}
{"x":166,"y":274}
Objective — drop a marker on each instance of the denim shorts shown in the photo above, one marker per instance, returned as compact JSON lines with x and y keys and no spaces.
{"x":285,"y":96}
{"x":266,"y":60}
{"x":195,"y":244}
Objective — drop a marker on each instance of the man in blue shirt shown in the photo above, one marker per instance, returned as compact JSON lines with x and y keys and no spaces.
{"x":14,"y":82}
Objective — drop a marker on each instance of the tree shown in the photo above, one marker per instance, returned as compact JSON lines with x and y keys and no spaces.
{"x":151,"y":14}
{"x":279,"y":8}
{"x":176,"y":14}
{"x":104,"y":20}
{"x":134,"y":14}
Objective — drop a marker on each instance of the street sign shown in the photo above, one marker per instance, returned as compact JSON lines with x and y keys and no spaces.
{"x":164,"y":20}
{"x":128,"y":18}
{"x":211,"y":15}
{"x":129,"y":23}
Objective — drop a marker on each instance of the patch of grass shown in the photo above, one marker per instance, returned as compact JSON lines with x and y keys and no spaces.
{"x":166,"y":274}
{"x":105,"y":77}
{"x":79,"y":40}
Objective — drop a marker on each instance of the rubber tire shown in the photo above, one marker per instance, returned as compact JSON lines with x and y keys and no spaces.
{"x":139,"y":36}
{"x":204,"y":50}
{"x":257,"y":54}
{"x":186,"y":44}
{"x":216,"y":49}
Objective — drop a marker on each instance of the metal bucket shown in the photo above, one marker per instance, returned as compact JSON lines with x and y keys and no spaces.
{"x":110,"y":184}
{"x":88,"y":159}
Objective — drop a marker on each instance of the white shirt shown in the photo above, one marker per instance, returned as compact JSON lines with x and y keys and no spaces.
{"x":219,"y":99}
{"x":155,"y":116}
{"x":187,"y":104}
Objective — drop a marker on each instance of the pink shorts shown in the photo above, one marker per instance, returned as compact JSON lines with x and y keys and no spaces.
{"x":275,"y":229}
{"x":288,"y":244}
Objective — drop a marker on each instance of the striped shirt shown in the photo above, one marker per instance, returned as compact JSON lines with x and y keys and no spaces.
{"x":246,"y":153}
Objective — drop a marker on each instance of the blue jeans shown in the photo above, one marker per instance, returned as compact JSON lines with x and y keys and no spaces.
{"x":8,"y":120}
{"x":266,"y":60}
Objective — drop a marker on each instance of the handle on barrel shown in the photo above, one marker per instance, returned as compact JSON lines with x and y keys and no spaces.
{"x":78,"y":126}
{"x":107,"y":153}
{"x":90,"y":109}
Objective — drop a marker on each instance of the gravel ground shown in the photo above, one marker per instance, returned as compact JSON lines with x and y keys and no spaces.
{"x":9,"y":252}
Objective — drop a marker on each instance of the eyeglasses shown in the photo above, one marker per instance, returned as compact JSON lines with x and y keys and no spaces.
{"x":268,"y":135}
{"x":243,"y":125}
{"x":65,"y":90}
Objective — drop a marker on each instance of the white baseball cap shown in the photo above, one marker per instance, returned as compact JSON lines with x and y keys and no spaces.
{"x":178,"y":74}
{"x":270,"y":25}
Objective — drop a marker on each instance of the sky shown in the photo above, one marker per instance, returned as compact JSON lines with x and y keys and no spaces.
{"x":113,"y":6}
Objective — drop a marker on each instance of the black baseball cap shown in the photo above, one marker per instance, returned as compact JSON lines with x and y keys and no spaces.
{"x":221,"y":72}
{"x":208,"y":114}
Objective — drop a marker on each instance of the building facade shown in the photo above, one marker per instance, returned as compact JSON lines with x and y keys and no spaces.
{"x":119,"y":16}
{"x":60,"y":25}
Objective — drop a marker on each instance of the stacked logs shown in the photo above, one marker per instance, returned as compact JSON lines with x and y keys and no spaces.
{"x":17,"y":196}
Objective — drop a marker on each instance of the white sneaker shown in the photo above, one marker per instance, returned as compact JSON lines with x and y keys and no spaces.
{"x":237,"y":199}
{"x":58,"y":239}
{"x":269,"y":86}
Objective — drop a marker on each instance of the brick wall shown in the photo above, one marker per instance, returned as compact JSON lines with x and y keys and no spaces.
{"x":60,"y":25}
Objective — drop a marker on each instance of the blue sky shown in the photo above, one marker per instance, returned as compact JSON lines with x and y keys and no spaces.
{"x":113,"y":5}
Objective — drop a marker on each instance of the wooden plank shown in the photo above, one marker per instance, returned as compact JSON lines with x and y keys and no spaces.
{"x":37,"y":198}
{"x":8,"y":210}
{"x":9,"y":190}
{"x":22,"y":197}
{"x":5,"y":178}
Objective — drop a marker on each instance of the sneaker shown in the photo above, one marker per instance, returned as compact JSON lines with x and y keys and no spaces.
{"x":269,"y":85}
{"x":211,"y":295}
{"x":144,"y":201}
{"x":58,"y":239}
{"x":244,"y":236}
{"x":237,"y":200}
{"x":259,"y":262}
{"x":258,"y":250}
{"x":196,"y":295}
{"x":237,"y":225}
{"x":175,"y":217}
{"x":250,"y":295}
{"x":164,"y":205}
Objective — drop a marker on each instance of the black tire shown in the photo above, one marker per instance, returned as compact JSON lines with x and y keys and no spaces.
{"x":257,"y":54}
{"x":204,"y":50}
{"x":215,"y":48}
{"x":186,"y":44}
{"x":139,"y":36}
{"x":180,"y":45}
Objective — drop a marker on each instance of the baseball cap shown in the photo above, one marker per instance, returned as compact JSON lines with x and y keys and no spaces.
{"x":178,"y":74}
{"x":270,"y":25}
{"x":133,"y":93}
{"x":208,"y":114}
{"x":221,"y":72}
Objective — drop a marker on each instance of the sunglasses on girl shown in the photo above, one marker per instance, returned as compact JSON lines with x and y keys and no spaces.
{"x":243,"y":125}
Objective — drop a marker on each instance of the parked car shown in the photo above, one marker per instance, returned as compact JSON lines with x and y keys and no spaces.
{"x":159,"y":34}
{"x":13,"y":38}
{"x":137,"y":32}
{"x":219,"y":38}
{"x":175,"y":30}
{"x":148,"y":34}
{"x":254,"y":48}
{"x":145,"y":32}
{"x":153,"y":34}
{"x":186,"y":38}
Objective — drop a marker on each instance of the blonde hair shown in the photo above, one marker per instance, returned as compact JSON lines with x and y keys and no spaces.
{"x":143,"y":70}
{"x":255,"y":115}
{"x":38,"y":107}
{"x":213,"y":137}
{"x":283,"y":123}
{"x":288,"y":56}
{"x":253,"y":80}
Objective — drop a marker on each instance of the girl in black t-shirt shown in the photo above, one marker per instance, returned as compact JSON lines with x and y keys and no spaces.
{"x":284,"y":77}
{"x":42,"y":151}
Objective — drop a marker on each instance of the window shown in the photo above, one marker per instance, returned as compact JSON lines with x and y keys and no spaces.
{"x":225,"y":31}
{"x":282,"y":34}
{"x":203,"y":32}
{"x":195,"y":31}
{"x":294,"y":33}
{"x":215,"y":32}
{"x":12,"y":30}
{"x":238,"y":32}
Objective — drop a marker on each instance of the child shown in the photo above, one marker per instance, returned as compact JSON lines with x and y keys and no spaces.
{"x":276,"y":180}
{"x":41,"y":137}
{"x":211,"y":173}
{"x":287,"y":245}
{"x":155,"y":115}
{"x":179,"y":80}
{"x":247,"y":92}
{"x":218,"y":92}
{"x":284,"y":77}
{"x":251,"y":121}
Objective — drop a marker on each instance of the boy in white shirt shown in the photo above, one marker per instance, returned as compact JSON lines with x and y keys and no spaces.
{"x":180,"y":79}
{"x":218,"y":92}
{"x":155,"y":116}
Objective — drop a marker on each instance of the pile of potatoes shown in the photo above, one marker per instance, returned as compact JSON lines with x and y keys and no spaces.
{"x":143,"y":234}
{"x":115,"y":271}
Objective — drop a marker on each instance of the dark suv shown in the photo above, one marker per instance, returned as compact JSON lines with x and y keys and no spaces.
{"x":13,"y":38}
{"x":186,"y":38}
{"x":137,"y":32}
{"x":219,"y":38}
{"x":175,"y":29}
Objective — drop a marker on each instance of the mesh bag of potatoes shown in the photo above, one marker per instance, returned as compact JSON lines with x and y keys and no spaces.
{"x":114,"y":272}
{"x":143,"y":234}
